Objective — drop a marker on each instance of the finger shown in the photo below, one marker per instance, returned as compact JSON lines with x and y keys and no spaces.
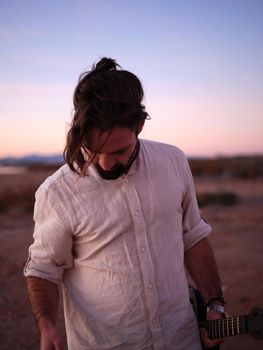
{"x":209,"y":343}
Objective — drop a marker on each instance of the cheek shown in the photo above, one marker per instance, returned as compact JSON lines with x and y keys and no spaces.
{"x":123,"y":159}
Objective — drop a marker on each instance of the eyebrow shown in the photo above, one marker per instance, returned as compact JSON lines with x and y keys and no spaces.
{"x":117,"y":151}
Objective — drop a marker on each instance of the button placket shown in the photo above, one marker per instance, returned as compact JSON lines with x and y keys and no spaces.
{"x":146,"y":263}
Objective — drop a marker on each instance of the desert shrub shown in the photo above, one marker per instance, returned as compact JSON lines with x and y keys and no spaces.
{"x":43,"y":167}
{"x":247,"y":167}
{"x":207,"y":167}
{"x":17,"y":191}
{"x":244,"y":167}
{"x":24,"y":200}
{"x":217,"y":198}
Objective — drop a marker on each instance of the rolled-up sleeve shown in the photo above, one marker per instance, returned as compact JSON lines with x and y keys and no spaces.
{"x":195,"y":226}
{"x":51,"y":251}
{"x":198,"y":232}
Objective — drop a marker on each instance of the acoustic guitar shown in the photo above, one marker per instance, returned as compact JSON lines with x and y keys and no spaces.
{"x":229,"y":326}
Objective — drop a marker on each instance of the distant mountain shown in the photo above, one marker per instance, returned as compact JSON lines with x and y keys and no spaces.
{"x":33,"y":159}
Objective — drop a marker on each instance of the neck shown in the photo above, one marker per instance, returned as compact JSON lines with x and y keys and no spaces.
{"x":133,"y":156}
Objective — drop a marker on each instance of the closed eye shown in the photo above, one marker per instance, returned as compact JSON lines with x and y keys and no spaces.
{"x":120,"y":152}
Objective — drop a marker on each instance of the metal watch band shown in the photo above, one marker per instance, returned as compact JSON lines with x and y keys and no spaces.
{"x":216,"y":307}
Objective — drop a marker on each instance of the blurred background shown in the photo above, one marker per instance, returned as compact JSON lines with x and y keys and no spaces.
{"x":200,"y":63}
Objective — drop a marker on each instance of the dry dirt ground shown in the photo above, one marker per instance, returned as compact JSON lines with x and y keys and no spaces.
{"x":237,"y":241}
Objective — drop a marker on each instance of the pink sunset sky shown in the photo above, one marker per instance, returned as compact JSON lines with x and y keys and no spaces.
{"x":200,"y":63}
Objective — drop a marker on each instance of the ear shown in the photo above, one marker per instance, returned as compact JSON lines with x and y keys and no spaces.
{"x":140,"y":127}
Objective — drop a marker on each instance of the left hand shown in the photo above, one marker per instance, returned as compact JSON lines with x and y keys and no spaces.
{"x":208,"y":343}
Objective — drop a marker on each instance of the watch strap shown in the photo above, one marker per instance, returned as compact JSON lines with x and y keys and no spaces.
{"x":216,"y":307}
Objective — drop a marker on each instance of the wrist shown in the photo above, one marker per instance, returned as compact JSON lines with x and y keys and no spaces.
{"x":45,"y":324}
{"x":216,"y":300}
{"x":216,"y":304}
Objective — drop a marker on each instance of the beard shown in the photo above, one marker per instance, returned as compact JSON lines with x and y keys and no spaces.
{"x":119,"y":169}
{"x":112,"y":174}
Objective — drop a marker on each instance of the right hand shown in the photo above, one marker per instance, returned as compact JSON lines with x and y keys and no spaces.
{"x":50,"y":339}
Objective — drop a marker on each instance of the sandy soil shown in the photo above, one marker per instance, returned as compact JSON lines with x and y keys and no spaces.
{"x":237,"y":241}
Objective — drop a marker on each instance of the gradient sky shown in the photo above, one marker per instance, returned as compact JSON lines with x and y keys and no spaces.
{"x":200,"y":62}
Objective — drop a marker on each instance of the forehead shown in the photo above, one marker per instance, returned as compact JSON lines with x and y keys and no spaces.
{"x":111,"y":141}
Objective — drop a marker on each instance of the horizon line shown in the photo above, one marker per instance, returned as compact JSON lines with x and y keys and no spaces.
{"x":60,"y":154}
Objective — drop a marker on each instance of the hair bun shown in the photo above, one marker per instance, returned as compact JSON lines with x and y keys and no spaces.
{"x":105,"y":64}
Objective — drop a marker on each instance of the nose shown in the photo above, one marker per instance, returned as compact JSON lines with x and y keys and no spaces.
{"x":106,"y":161}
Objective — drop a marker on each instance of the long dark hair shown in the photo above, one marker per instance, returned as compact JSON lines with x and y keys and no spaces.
{"x":105,"y":97}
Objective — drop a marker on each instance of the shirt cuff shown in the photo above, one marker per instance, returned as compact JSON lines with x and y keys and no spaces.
{"x":51,"y":273}
{"x":196,"y":234}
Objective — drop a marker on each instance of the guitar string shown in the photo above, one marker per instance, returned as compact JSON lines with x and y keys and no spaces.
{"x":226,"y":323}
{"x":235,"y":319}
{"x":226,"y":327}
{"x":230,"y":326}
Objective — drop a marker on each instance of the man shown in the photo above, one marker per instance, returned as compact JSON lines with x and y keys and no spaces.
{"x":115,"y":226}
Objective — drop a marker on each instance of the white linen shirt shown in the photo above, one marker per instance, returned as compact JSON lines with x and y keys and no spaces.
{"x":118,"y":248}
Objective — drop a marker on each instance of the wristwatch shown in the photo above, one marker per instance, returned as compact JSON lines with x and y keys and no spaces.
{"x":216,"y":304}
{"x":216,"y":307}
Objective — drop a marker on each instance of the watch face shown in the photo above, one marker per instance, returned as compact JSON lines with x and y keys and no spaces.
{"x":216,"y":307}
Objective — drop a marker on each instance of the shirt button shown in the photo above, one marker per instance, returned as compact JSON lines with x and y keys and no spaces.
{"x":150,"y":286}
{"x":143,"y":249}
{"x":136,"y":213}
